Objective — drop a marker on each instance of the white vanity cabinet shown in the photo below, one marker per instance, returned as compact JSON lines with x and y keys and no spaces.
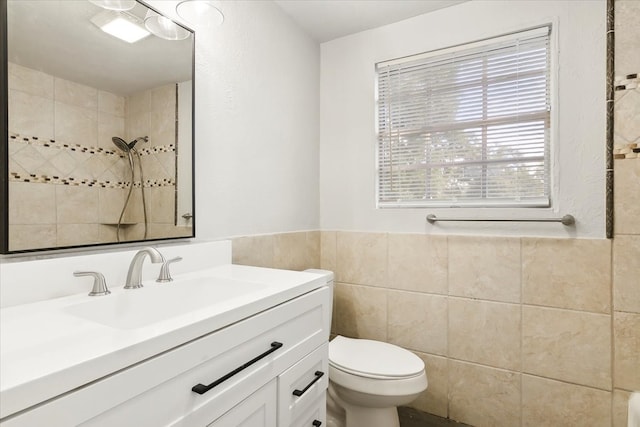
{"x":257,"y":410}
{"x":269,"y":369}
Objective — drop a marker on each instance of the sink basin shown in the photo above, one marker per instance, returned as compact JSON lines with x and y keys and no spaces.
{"x":137,"y":308}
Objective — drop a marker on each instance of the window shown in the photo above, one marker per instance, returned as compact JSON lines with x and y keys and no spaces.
{"x":466,"y":126}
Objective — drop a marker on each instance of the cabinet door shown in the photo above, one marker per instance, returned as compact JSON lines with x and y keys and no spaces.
{"x":315,"y":416}
{"x":257,"y":410}
{"x":302,"y":385}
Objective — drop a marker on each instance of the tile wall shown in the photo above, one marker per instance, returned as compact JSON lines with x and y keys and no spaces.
{"x":67,"y":180}
{"x":626,"y":242}
{"x":513,"y":331}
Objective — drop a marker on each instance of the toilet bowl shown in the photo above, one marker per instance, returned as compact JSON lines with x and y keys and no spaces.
{"x":368,"y":380}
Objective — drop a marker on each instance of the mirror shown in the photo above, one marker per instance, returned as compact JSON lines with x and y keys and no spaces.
{"x":99,"y":131}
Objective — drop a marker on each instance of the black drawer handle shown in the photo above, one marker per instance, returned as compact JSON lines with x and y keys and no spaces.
{"x":316,"y":423}
{"x":202,"y":389}
{"x":318,"y":375}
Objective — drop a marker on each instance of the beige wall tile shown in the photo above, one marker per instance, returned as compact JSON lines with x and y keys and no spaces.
{"x":567,"y":345}
{"x":72,"y":93}
{"x":362,"y":258}
{"x":157,"y":231}
{"x":76,"y":125}
{"x":553,"y":403}
{"x":32,"y":203}
{"x":30,"y":81}
{"x":96,"y":165}
{"x":296,"y":251}
{"x":567,"y":273}
{"x":163,"y":97}
{"x":253,"y":250}
{"x":620,"y":408}
{"x":434,"y":400}
{"x":136,"y":126}
{"x":77,"y":205}
{"x":418,"y":321}
{"x":133,"y":232}
{"x":111,"y":201}
{"x":626,"y":367}
{"x":328,"y":250}
{"x":482,"y":396}
{"x":627,"y":36}
{"x":31,"y":115}
{"x":162,"y":128}
{"x":485,"y":332}
{"x":487,"y":268}
{"x":107,"y":234}
{"x":111,"y":104}
{"x":168,"y":163}
{"x":626,"y":196}
{"x":360,"y":312}
{"x":153,"y":169}
{"x":137,"y":103}
{"x":29,"y":158}
{"x":77,"y":234}
{"x":626,"y":273}
{"x":32,"y":236}
{"x":418,"y":263}
{"x":134,"y":211}
{"x":161,"y":202}
{"x":625,"y":115}
{"x":108,"y":127}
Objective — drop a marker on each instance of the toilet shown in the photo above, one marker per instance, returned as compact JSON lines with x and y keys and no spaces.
{"x":368,"y":380}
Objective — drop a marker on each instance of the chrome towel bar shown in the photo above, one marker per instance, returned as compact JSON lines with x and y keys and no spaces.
{"x":565,"y":220}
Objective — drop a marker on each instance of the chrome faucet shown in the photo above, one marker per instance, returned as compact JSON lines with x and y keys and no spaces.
{"x":134,"y":276}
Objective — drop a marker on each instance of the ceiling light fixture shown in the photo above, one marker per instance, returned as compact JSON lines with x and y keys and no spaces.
{"x":122,"y":25}
{"x":200,"y":12}
{"x":164,"y":27}
{"x":115,"y":4}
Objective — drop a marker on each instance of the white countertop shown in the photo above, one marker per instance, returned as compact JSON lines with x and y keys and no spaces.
{"x":46,"y":351}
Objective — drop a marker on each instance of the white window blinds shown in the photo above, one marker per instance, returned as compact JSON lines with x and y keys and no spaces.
{"x":466,"y":126}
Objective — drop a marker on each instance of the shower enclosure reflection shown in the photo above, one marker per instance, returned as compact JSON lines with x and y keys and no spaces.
{"x":129,"y":148}
{"x":76,"y":95}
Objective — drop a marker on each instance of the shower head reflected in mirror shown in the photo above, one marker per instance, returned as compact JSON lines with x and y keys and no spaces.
{"x":129,"y":149}
{"x":122,"y":144}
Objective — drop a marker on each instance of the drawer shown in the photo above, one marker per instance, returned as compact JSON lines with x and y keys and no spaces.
{"x":157,"y":392}
{"x":257,"y":410}
{"x":300,"y":386}
{"x":316,"y":415}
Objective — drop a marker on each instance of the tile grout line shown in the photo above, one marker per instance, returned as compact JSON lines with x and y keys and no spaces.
{"x":521,"y":334}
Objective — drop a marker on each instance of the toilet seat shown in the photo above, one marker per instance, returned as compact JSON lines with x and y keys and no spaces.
{"x":373,"y":359}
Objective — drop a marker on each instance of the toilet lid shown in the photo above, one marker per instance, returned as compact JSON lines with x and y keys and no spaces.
{"x":373,"y":358}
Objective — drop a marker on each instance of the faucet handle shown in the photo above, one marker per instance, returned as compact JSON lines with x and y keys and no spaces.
{"x":99,"y":284}
{"x":165,"y":275}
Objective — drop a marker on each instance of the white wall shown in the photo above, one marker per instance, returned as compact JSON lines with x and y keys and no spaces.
{"x":347,"y":116}
{"x":257,"y":122}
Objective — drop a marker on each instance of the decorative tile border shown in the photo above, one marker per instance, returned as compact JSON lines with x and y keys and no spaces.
{"x":34,"y":140}
{"x":92,"y":181}
{"x":629,"y":151}
{"x":624,"y":85}
{"x":44,"y":179}
{"x":628,"y":82}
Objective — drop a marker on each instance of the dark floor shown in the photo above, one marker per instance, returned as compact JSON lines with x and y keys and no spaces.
{"x":410,"y":417}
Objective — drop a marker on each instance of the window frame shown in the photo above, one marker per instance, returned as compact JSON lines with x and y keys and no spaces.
{"x":550,"y":151}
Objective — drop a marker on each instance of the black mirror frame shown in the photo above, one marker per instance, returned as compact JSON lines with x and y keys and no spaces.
{"x":4,"y":146}
{"x":4,"y":150}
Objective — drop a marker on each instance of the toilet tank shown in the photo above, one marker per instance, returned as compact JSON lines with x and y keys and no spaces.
{"x":330,"y":277}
